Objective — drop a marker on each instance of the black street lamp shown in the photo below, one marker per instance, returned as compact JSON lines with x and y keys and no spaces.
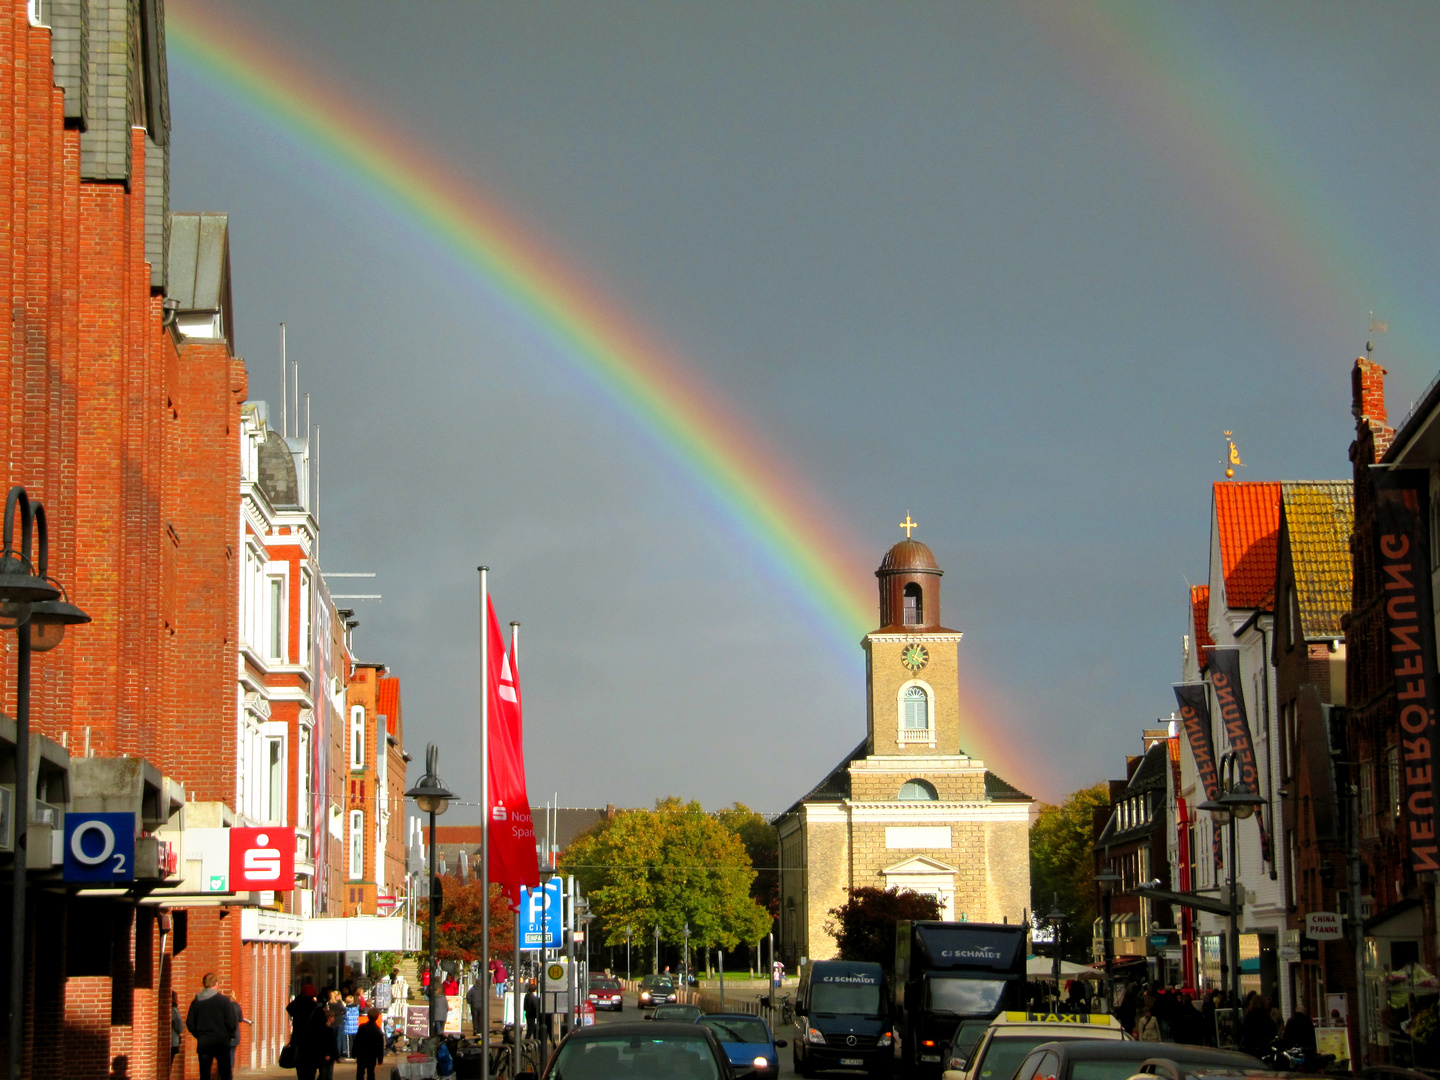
{"x":34,"y":606}
{"x":1108,"y":881}
{"x":1235,"y":803}
{"x":432,"y":797}
{"x":1056,"y":919}
{"x":627,"y":954}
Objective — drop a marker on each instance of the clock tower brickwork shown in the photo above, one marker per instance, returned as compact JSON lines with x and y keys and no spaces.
{"x":908,"y":808}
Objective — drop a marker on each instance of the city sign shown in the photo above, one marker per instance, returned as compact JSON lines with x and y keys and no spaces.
{"x":1159,"y":941}
{"x":262,"y":859}
{"x":1324,"y":926}
{"x":99,"y":847}
{"x":541,"y":915}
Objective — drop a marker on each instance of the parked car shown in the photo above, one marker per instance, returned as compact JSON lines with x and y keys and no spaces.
{"x":640,"y":1051}
{"x":676,"y":1014}
{"x":656,"y":990}
{"x":748,"y":1042}
{"x":1113,"y":1059}
{"x":606,"y":993}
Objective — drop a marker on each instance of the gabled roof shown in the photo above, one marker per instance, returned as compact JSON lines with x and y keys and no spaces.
{"x":921,"y":864}
{"x":387,"y":702}
{"x":1149,"y":775}
{"x":1200,"y":622}
{"x":1319,"y":517}
{"x":1247,"y":519}
{"x":998,"y":790}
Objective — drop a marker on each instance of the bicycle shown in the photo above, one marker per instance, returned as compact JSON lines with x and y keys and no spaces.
{"x":787,"y":1009}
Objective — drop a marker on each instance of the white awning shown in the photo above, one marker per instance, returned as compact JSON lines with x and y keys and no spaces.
{"x":359,"y":933}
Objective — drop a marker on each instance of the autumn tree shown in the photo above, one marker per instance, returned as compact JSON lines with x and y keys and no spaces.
{"x":667,"y":867}
{"x":457,"y":926}
{"x":864,"y":926}
{"x":1062,"y":864}
{"x":762,"y":844}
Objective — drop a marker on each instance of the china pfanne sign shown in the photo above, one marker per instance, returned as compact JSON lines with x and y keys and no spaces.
{"x":262,"y":858}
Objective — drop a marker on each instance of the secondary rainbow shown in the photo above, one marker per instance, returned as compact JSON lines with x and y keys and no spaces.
{"x":799,"y":539}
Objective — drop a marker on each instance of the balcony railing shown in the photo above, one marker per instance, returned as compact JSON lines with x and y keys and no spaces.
{"x":920,"y":735}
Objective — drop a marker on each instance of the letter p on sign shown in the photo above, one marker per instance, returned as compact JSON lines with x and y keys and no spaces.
{"x":262,"y":859}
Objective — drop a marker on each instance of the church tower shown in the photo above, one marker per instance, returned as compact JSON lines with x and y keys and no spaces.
{"x":908,"y":808}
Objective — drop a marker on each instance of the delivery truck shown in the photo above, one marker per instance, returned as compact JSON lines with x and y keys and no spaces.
{"x":949,"y":972}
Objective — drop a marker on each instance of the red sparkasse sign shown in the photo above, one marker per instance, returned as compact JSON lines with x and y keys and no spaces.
{"x":262,"y":858}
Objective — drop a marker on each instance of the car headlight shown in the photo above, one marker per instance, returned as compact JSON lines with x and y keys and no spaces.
{"x":760,"y":1063}
{"x":885,"y":1039}
{"x":815,"y":1035}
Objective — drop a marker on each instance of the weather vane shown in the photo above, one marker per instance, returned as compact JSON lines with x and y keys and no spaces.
{"x":908,"y":525}
{"x":1232,"y":457}
{"x":1376,"y":329}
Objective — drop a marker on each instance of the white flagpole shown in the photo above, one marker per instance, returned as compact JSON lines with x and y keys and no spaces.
{"x":485,"y":819}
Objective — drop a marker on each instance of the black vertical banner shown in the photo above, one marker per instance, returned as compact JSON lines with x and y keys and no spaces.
{"x":1403,"y":561}
{"x":1230,"y":700}
{"x":1194,"y":703}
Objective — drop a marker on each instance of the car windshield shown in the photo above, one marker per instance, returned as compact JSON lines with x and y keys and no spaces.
{"x":736,"y":1029}
{"x":967,"y":1035}
{"x":604,"y":984}
{"x":845,"y":998}
{"x":966,"y":997}
{"x":636,"y":1057}
{"x":655,"y":982}
{"x":1003,"y":1056}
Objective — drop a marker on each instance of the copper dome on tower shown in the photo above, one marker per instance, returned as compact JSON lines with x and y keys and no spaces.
{"x":908,"y":555}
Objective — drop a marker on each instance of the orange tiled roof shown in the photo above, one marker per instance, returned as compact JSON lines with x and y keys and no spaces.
{"x":1320,"y":516}
{"x":1247,"y":517}
{"x":1200,"y":621}
{"x":388,"y":702}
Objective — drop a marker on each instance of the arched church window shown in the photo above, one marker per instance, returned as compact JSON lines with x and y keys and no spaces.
{"x":914,"y":605}
{"x":917,"y":708}
{"x":917,"y":791}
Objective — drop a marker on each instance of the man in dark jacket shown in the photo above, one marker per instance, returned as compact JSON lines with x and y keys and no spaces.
{"x":368,"y":1046}
{"x":211,"y":1020}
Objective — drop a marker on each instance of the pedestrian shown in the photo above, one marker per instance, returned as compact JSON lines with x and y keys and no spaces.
{"x":1149,"y":1028}
{"x":336,"y":1009}
{"x":479,"y":1004}
{"x":532,"y":1011}
{"x":177,"y":1027}
{"x":352,"y":1025}
{"x":239,"y":1019}
{"x":501,"y":974}
{"x":439,"y":1013}
{"x":1300,"y":1033}
{"x":369,"y":1046}
{"x":1257,"y":1030}
{"x":212,"y":1021}
{"x":451,"y":986}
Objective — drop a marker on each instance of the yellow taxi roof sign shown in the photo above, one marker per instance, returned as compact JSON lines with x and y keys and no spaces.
{"x":1095,"y":1019}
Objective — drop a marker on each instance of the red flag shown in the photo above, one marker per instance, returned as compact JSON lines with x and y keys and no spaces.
{"x":512,"y":833}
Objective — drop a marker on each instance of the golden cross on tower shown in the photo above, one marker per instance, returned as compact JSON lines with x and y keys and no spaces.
{"x":908,"y":525}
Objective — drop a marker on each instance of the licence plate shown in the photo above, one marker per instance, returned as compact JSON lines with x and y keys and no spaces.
{"x":929,"y":1057}
{"x":857,"y":1061}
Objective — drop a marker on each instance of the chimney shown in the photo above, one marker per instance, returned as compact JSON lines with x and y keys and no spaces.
{"x":1367,"y":403}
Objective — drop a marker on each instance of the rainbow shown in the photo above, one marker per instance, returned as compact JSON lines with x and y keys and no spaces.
{"x":1145,"y":63}
{"x":784,"y":525}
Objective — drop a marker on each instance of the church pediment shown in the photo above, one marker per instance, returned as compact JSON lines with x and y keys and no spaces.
{"x":920,"y":864}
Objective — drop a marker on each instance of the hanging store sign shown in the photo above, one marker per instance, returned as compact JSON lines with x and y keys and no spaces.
{"x":262,"y":859}
{"x":99,"y":847}
{"x":1403,"y":560}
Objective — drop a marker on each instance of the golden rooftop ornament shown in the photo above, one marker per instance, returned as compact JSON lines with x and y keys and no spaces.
{"x":1232,"y":456}
{"x":908,"y":525}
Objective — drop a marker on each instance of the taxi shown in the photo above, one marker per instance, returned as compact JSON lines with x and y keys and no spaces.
{"x":1012,"y":1035}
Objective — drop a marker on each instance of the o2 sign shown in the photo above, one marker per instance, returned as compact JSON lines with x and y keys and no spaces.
{"x":262,"y":858}
{"x":99,"y":847}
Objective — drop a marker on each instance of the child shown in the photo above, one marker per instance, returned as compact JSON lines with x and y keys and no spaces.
{"x":369,"y":1046}
{"x":352,"y":1025}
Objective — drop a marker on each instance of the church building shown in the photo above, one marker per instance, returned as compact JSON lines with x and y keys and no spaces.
{"x":908,"y":807}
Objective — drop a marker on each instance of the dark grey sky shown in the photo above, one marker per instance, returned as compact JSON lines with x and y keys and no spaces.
{"x":1010,"y":269}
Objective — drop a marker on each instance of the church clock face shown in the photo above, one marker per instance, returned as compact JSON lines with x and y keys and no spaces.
{"x":915,"y":657}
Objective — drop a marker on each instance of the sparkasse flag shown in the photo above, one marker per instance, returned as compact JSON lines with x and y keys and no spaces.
{"x":512,"y":834}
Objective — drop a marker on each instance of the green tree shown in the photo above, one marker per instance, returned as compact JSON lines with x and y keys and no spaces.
{"x":864,"y":926}
{"x":457,"y":926}
{"x":1062,"y":864}
{"x":380,"y":964}
{"x":762,"y":844}
{"x":669,"y":866}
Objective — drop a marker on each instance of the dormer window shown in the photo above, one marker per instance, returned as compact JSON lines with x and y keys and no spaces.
{"x":914,"y":605}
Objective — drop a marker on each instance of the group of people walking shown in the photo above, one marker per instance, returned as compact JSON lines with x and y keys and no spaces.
{"x":326,"y":1027}
{"x":214,"y":1019}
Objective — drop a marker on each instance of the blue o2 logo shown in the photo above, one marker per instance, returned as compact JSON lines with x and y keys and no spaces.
{"x":99,"y":847}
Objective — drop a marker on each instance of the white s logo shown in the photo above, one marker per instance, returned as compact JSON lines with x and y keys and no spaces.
{"x":263,"y":864}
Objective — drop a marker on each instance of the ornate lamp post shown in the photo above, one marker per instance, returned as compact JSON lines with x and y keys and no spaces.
{"x":35,"y":606}
{"x":433,"y":798}
{"x":1108,"y":881}
{"x":1056,"y":919}
{"x":1234,"y":804}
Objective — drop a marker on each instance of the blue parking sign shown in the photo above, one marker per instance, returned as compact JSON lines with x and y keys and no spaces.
{"x":99,"y":847}
{"x":541,"y":912}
